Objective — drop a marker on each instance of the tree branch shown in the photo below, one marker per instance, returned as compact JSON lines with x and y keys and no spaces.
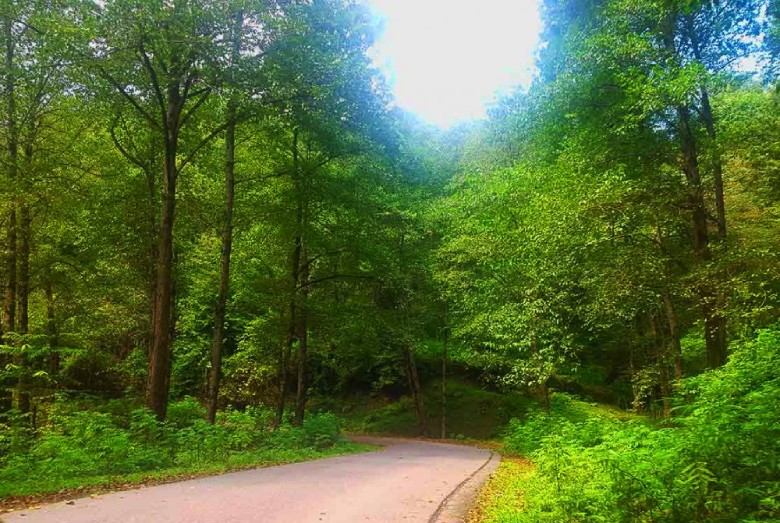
{"x":194,"y":108}
{"x":153,"y":76}
{"x":110,"y":79}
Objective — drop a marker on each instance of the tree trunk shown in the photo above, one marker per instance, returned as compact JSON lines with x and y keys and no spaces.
{"x":303,"y":327}
{"x":674,"y":333}
{"x":23,"y":293}
{"x":9,"y":309}
{"x":708,"y":116}
{"x":217,"y":337}
{"x":416,"y":390}
{"x":636,"y":400}
{"x":714,"y":322}
{"x":224,"y":273}
{"x":295,"y":266}
{"x":12,"y":148}
{"x":303,"y":348}
{"x":544,"y":392}
{"x":51,"y":331}
{"x":444,"y":384}
{"x":717,"y":165}
{"x":23,"y":283}
{"x":284,"y":366}
{"x":158,"y":379}
{"x":663,"y":366}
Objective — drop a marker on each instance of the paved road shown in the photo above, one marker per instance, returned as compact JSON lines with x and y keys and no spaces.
{"x":408,"y":481}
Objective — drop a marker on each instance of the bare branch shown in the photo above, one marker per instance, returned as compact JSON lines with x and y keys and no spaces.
{"x":153,"y":76}
{"x":110,"y":79}
{"x":194,"y":108}
{"x":132,"y":158}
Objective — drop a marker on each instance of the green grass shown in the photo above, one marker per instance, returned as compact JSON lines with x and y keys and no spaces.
{"x":236,"y":461}
{"x":501,"y":500}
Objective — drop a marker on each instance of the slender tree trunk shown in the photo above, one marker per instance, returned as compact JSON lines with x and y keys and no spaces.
{"x":714,"y":322}
{"x":663,"y":366}
{"x":51,"y":331}
{"x":303,"y":347}
{"x":153,"y":252}
{"x":715,"y":325}
{"x":12,"y":148}
{"x":303,"y":327}
{"x":162,"y":329}
{"x":416,"y":389}
{"x":224,"y":276}
{"x":23,"y":266}
{"x":636,"y":401}
{"x":284,"y":366}
{"x":25,"y":236}
{"x":23,"y":293}
{"x":666,"y":389}
{"x":9,"y":309}
{"x":10,"y":323}
{"x":217,"y":337}
{"x":444,"y":356}
{"x":696,"y":193}
{"x":717,"y":163}
{"x":295,"y":267}
{"x":23,"y":284}
{"x":674,"y":333}
{"x":708,"y":116}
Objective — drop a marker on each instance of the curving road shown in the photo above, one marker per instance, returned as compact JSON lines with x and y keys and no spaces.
{"x":407,"y":480}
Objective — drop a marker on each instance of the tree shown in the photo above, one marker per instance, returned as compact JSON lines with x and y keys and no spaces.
{"x":162,"y":60}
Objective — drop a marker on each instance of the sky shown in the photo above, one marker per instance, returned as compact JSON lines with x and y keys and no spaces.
{"x":447,"y":59}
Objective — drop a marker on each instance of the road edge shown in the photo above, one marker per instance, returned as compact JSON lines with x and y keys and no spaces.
{"x":454,"y":508}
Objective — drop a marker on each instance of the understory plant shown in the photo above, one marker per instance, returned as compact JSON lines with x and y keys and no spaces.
{"x":716,"y":460}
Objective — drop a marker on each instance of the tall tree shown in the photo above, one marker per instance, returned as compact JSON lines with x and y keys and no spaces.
{"x":162,"y":60}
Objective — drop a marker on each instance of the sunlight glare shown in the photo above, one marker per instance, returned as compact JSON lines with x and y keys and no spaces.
{"x":446,"y":60}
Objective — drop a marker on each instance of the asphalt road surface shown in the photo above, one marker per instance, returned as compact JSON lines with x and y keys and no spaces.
{"x":406,"y":481}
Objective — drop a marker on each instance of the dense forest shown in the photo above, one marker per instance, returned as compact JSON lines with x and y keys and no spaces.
{"x":216,"y":223}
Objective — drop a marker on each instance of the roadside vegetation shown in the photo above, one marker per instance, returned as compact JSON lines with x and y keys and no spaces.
{"x":106,"y":444}
{"x":715,"y":461}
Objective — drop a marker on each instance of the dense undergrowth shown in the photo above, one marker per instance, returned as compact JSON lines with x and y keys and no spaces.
{"x":716,"y":460}
{"x":472,"y":412}
{"x":116,"y":442}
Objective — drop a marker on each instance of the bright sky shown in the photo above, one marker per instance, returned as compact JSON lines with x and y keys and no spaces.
{"x":447,"y":59}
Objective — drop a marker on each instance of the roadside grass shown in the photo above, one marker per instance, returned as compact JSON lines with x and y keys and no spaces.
{"x":86,"y":446}
{"x":501,"y":498}
{"x":37,"y":490}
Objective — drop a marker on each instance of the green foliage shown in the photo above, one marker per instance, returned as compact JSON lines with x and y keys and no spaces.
{"x":78,"y":446}
{"x":716,"y":462}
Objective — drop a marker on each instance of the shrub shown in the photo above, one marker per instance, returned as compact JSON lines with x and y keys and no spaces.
{"x":717,"y":463}
{"x":122,"y":440}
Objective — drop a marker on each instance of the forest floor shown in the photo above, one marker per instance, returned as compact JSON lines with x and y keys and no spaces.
{"x":407,"y":480}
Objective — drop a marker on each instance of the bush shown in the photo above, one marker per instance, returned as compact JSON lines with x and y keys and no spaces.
{"x":319,"y":431}
{"x":124,"y":440}
{"x":718,"y":463}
